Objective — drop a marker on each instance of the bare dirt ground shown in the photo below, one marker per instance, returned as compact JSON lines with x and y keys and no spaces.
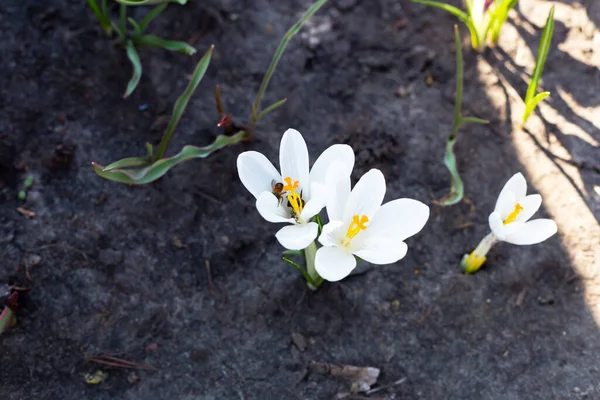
{"x":185,"y":276}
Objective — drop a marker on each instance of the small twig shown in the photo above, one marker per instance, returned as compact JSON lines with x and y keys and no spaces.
{"x":391,"y":385}
{"x":119,"y":363}
{"x":211,"y":285}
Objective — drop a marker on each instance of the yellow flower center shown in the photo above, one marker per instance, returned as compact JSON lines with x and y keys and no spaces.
{"x":358,"y":224}
{"x":512,"y":217}
{"x":296,"y":202}
{"x":289,"y":186}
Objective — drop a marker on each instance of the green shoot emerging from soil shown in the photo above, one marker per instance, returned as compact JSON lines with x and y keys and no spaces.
{"x":140,"y":170}
{"x":484,"y":18}
{"x":257,"y":112}
{"x":531,"y":98}
{"x":130,"y":40}
{"x":457,"y":187}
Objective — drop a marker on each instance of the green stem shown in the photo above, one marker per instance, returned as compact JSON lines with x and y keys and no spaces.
{"x":123,"y":19}
{"x":309,"y":253}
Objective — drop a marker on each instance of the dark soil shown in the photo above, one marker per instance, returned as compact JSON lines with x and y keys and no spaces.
{"x":184,"y":275}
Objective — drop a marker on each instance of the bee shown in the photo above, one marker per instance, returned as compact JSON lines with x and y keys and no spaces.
{"x":277,"y":190}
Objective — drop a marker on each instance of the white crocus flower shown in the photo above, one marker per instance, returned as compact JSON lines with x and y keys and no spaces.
{"x":510,"y":222}
{"x":359,"y":225}
{"x":295,"y":195}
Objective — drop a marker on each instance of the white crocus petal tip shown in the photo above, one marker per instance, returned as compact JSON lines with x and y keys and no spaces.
{"x":513,"y":190}
{"x":366,"y":196}
{"x":293,"y":159}
{"x":256,"y":172}
{"x":334,"y":264}
{"x":337,"y":153}
{"x":533,"y":232}
{"x":297,"y":237}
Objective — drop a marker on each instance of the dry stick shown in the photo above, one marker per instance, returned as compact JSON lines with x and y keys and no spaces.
{"x":118,"y":362}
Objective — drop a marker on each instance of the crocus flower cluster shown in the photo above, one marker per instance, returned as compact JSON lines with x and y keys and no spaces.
{"x":359,"y":225}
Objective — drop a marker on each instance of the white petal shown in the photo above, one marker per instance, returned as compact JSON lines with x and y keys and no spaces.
{"x":297,"y":237}
{"x":499,"y":229}
{"x":530,"y":206}
{"x":513,"y":190}
{"x":314,"y":205}
{"x":333,"y":263}
{"x":269,"y":208}
{"x":366,"y":197}
{"x":338,"y":152}
{"x":398,"y":219}
{"x":338,"y":182}
{"x":332,"y":233}
{"x":293,"y":160}
{"x":256,"y":172}
{"x":533,"y":232}
{"x":382,"y":251}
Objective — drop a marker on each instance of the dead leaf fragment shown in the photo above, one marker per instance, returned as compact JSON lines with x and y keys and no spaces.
{"x":25,"y":212}
{"x":362,"y":377}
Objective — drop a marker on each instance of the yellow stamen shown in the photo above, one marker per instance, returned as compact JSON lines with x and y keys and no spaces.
{"x":296,"y":202}
{"x":357,"y":225}
{"x":289,"y":186}
{"x":472,"y":263}
{"x":513,"y":215}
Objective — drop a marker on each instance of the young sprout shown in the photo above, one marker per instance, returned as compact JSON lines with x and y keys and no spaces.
{"x":484,"y":18}
{"x":531,"y":98}
{"x":130,"y":40}
{"x":510,"y":222}
{"x":140,"y":170}
{"x":296,"y":195}
{"x":360,"y":226}
{"x":257,"y":112}
{"x":456,"y":184}
{"x":26,"y":185}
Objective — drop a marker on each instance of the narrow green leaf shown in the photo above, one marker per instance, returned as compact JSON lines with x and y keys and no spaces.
{"x":272,"y":107}
{"x":530,"y":107}
{"x":129,"y":162}
{"x":137,"y":68}
{"x":101,"y":16}
{"x":456,"y":186}
{"x":150,"y":150}
{"x":279,"y":52}
{"x":159,"y":168}
{"x":149,"y":2}
{"x":151,"y":15}
{"x":540,"y":62}
{"x":473,"y":120}
{"x":299,"y":268}
{"x":7,"y":319}
{"x":136,"y":27}
{"x":155,"y":41}
{"x":292,"y":253}
{"x":182,"y":102}
{"x":499,"y":16}
{"x":457,"y":12}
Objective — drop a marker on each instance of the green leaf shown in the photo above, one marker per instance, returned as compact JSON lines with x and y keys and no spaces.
{"x":149,"y":2}
{"x":137,"y":68}
{"x":456,"y":184}
{"x":279,"y":52}
{"x":292,"y":253}
{"x":129,"y":163}
{"x":136,"y":27}
{"x":101,"y":16}
{"x":272,"y":107}
{"x":182,"y":102}
{"x":473,"y":120}
{"x":539,"y":64}
{"x":299,"y":268}
{"x":457,"y":12}
{"x":498,"y":17}
{"x":529,"y":107}
{"x":7,"y":319}
{"x":159,"y":168}
{"x":151,"y":15}
{"x":155,"y":41}
{"x":150,"y":150}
